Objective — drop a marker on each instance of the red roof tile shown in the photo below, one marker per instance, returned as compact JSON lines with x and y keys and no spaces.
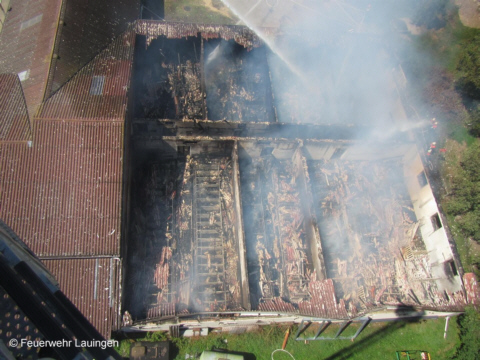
{"x":63,"y":195}
{"x":98,"y":91}
{"x":26,"y":44}
{"x":14,"y":120}
{"x":472,"y":289}
{"x":91,"y":284}
{"x":323,"y":303}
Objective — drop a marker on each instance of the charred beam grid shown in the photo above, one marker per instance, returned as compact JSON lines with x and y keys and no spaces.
{"x":209,"y":251}
{"x":216,"y":282}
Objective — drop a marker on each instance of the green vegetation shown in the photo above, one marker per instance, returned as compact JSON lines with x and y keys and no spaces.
{"x":377,"y":341}
{"x":451,"y":85}
{"x":463,"y":202}
{"x":194,"y":11}
{"x":124,"y":348}
{"x":468,"y":69}
{"x":470,"y":334}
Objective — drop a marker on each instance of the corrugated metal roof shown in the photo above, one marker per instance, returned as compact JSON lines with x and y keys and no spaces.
{"x":63,"y":195}
{"x":99,"y":90}
{"x":26,"y":45}
{"x":89,"y":27}
{"x":14,"y":120}
{"x":91,"y":284}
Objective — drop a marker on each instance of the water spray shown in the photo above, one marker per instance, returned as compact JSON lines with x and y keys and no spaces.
{"x":269,"y":42}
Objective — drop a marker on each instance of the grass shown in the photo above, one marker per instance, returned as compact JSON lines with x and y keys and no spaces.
{"x":124,"y":347}
{"x":191,"y":11}
{"x":377,"y":341}
{"x":461,"y":135}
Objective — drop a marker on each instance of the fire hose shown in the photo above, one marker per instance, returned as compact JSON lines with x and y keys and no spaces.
{"x":274,"y":351}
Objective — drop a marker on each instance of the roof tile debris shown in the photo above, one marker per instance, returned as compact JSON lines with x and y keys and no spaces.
{"x":15,"y":124}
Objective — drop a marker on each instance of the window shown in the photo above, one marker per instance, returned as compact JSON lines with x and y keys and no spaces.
{"x":31,"y":22}
{"x":266,"y":151}
{"x":436,"y":222}
{"x":24,"y":75}
{"x":453,"y":267}
{"x":96,"y":88}
{"x":286,"y":146}
{"x":422,"y":179}
{"x":183,"y":150}
{"x":338,"y":153}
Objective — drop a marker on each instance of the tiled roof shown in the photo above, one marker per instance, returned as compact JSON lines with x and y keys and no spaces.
{"x":99,"y":90}
{"x":89,"y":26}
{"x":91,"y":284}
{"x":63,"y":195}
{"x":14,"y":120}
{"x":323,"y":303}
{"x":26,"y":45}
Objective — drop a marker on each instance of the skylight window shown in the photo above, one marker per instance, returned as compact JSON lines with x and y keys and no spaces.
{"x":31,"y":22}
{"x":24,"y":75}
{"x":96,"y":88}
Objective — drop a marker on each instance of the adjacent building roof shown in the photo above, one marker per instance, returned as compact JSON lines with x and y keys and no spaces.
{"x":87,"y":28}
{"x":15,"y":124}
{"x":98,"y":91}
{"x":62,"y":193}
{"x":47,"y":42}
{"x":26,"y":45}
{"x":91,"y":284}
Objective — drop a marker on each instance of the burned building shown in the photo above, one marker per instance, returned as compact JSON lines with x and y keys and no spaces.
{"x":232,"y":211}
{"x":162,"y":177}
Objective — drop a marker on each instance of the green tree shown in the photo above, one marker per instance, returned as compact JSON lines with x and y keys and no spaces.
{"x":464,"y":200}
{"x":474,"y":122}
{"x":469,"y":335}
{"x":468,"y":69}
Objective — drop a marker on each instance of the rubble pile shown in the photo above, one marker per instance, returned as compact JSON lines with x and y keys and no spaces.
{"x":372,"y":247}
{"x":153,"y":246}
{"x":277,"y":254}
{"x":238,"y":87}
{"x":184,"y":82}
{"x":179,"y":88}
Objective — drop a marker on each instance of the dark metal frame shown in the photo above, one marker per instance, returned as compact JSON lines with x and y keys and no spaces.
{"x":324,"y":323}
